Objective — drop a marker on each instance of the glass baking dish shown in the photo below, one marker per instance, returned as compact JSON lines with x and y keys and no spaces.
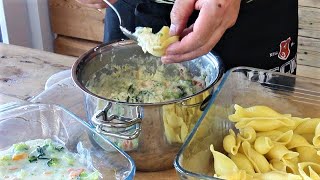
{"x":247,"y":87}
{"x":20,"y":123}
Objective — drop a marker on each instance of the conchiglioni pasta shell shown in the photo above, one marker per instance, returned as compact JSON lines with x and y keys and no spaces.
{"x":274,"y":134}
{"x":308,"y":126}
{"x":242,"y":162}
{"x":275,"y":175}
{"x":247,"y":134}
{"x":263,"y":145}
{"x":223,"y":164}
{"x":316,"y":138}
{"x":291,"y":165}
{"x":308,"y":154}
{"x":284,"y":138}
{"x":231,"y":143}
{"x":240,"y":175}
{"x":309,"y":170}
{"x":308,"y":137}
{"x":254,"y":111}
{"x":264,"y":123}
{"x":259,"y":162}
{"x":164,"y":33}
{"x":279,"y":151}
{"x":297,"y":141}
{"x":277,"y":165}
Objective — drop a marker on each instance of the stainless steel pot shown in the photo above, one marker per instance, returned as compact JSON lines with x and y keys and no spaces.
{"x":151,"y":133}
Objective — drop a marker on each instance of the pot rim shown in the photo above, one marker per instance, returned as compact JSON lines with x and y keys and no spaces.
{"x":84,"y":56}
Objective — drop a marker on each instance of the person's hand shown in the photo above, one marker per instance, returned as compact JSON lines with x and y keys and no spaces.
{"x":215,"y":17}
{"x":97,"y":4}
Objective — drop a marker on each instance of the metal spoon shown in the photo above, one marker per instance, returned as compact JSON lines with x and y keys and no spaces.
{"x":124,"y":30}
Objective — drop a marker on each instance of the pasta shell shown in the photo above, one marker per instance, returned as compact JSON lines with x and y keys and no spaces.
{"x":279,"y":151}
{"x":313,"y":174}
{"x":308,"y":137}
{"x":273,"y":135}
{"x":164,"y":33}
{"x":308,"y":154}
{"x":298,"y":121}
{"x":297,"y":141}
{"x":240,"y":175}
{"x":273,"y":175}
{"x":309,"y":170}
{"x":242,"y":162}
{"x":247,"y":134}
{"x":170,"y":134}
{"x":173,"y":120}
{"x":166,"y":43}
{"x":263,"y":145}
{"x":184,"y":132}
{"x":284,"y":138}
{"x":230,"y":143}
{"x":308,"y":126}
{"x":291,"y":165}
{"x":223,"y":165}
{"x":316,"y":138}
{"x":277,"y":165}
{"x":254,"y":111}
{"x":278,"y":136}
{"x":259,"y":162}
{"x":264,"y":123}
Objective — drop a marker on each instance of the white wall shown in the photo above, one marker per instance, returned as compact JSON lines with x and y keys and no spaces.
{"x":26,"y":23}
{"x":15,"y":23}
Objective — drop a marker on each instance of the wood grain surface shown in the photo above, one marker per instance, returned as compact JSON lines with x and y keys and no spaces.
{"x":70,"y":18}
{"x":309,"y":38}
{"x":24,"y":71}
{"x":72,"y":46}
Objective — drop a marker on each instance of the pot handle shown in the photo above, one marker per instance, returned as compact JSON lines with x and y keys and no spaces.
{"x":113,"y":125}
{"x":203,"y":104}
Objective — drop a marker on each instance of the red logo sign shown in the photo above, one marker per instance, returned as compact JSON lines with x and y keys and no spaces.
{"x":284,"y":49}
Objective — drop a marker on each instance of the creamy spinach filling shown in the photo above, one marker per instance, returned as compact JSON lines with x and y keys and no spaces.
{"x":139,"y":86}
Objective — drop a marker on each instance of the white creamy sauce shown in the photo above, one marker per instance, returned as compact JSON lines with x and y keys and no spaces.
{"x":127,"y":84}
{"x":43,"y":159}
{"x":146,"y":39}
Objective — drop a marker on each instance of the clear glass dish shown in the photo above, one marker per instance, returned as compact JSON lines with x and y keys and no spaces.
{"x":245,"y":86}
{"x":20,"y":123}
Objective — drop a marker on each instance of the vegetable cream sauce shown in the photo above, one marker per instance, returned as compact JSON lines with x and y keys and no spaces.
{"x":138,"y":86}
{"x":43,"y":159}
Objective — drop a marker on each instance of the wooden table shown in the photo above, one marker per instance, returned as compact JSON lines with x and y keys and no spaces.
{"x":23,"y":73}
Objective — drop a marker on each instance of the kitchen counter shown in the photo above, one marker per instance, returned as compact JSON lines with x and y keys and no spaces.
{"x":24,"y":72}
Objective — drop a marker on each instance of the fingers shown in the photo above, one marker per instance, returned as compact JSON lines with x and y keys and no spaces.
{"x":187,"y":31}
{"x":202,"y":31}
{"x":215,"y":17}
{"x":180,"y":13}
{"x":204,"y":49}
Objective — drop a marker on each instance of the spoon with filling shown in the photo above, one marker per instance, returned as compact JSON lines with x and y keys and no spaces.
{"x":155,"y":44}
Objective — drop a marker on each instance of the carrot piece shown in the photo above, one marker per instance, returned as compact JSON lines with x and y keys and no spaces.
{"x":13,"y":168}
{"x":75,"y":173}
{"x":20,"y":156}
{"x":47,"y":173}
